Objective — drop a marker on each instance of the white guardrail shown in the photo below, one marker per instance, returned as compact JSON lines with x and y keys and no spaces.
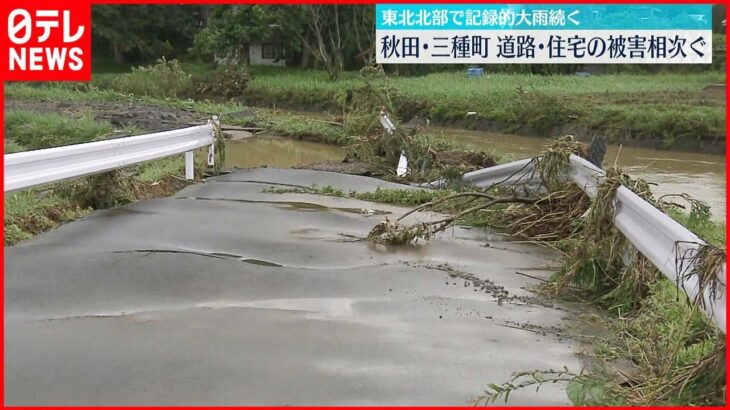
{"x":31,"y":168}
{"x":669,"y":246}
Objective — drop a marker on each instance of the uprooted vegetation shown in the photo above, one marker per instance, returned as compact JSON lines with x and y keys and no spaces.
{"x":675,"y":352}
{"x":359,"y":131}
{"x":429,"y":157}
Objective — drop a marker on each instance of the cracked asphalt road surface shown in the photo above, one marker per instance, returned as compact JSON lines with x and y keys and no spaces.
{"x":224,"y":294}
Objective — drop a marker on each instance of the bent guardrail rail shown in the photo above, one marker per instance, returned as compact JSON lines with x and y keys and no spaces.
{"x":669,"y":246}
{"x":508,"y":174}
{"x":37,"y":167}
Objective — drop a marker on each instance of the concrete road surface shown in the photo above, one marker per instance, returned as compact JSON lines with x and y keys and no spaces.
{"x":225,"y":294}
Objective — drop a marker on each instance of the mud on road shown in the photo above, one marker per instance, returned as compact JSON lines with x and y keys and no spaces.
{"x":228,"y":294}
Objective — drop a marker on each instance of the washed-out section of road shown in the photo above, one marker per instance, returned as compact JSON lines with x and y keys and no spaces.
{"x":226,"y":294}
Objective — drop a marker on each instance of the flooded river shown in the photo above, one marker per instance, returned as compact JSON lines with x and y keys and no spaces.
{"x":700,"y":175}
{"x":273,"y":151}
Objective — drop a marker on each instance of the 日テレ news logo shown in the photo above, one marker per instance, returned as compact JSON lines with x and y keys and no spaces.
{"x":47,"y":41}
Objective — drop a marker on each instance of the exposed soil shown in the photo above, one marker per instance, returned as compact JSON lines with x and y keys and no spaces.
{"x":144,"y":117}
{"x":714,"y":92}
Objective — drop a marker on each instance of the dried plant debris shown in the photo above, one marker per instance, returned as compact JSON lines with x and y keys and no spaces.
{"x":429,"y":156}
{"x":704,"y":263}
{"x":554,"y":162}
{"x":675,"y":352}
{"x":391,"y":233}
{"x":553,"y":217}
{"x":395,"y":234}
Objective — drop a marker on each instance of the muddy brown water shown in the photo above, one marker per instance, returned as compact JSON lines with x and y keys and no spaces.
{"x":700,"y":175}
{"x":273,"y":151}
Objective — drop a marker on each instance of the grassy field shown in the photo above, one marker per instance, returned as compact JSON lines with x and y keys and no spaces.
{"x":27,"y":130}
{"x":667,"y":108}
{"x":34,"y":131}
{"x":450,"y":86}
{"x":671,"y":108}
{"x":86,"y":92}
{"x":283,"y":123}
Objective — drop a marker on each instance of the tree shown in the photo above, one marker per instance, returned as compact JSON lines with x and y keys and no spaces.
{"x":146,"y":32}
{"x":718,"y":15}
{"x":334,"y":28}
{"x":231,"y":29}
{"x":335,"y":36}
{"x":364,"y":29}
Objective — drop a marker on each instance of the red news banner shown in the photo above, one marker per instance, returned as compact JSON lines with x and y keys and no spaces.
{"x":45,"y":41}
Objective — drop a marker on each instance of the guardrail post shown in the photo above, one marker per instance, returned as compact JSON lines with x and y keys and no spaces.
{"x":402,"y":168}
{"x":190,"y":165}
{"x":211,"y":148}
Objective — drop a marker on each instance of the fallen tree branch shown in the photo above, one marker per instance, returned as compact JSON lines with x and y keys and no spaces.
{"x":393,"y":233}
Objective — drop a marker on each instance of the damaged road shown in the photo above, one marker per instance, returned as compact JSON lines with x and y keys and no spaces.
{"x":226,"y":294}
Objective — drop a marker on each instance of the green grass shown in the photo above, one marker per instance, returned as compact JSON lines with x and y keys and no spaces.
{"x":402,"y":196}
{"x":59,"y":91}
{"x":30,"y":212}
{"x":35,"y":130}
{"x":85,"y":92}
{"x":90,"y":93}
{"x":668,"y":109}
{"x":286,"y":124}
{"x":662,"y":106}
{"x":165,"y":79}
{"x":666,"y":106}
{"x":297,"y":126}
{"x":675,"y":348}
{"x":12,"y":146}
{"x":665,"y":354}
{"x":154,"y":171}
{"x":33,"y":211}
{"x":443,"y":87}
{"x":713,"y":232}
